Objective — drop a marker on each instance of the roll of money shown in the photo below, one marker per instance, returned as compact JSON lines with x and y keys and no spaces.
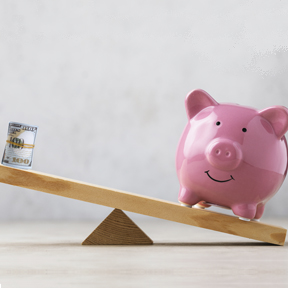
{"x":19,"y":146}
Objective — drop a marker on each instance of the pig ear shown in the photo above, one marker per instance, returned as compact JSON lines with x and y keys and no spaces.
{"x":196,"y":101}
{"x":278,"y":118}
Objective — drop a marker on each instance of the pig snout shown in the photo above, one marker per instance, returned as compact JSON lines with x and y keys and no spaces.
{"x":224,"y":154}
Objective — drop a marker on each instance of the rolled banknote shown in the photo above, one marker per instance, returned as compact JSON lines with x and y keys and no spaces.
{"x":19,"y":146}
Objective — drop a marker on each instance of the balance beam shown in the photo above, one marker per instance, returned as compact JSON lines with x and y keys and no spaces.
{"x":141,"y":204}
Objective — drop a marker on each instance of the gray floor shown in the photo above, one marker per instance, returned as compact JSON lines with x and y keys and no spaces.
{"x":49,"y":254}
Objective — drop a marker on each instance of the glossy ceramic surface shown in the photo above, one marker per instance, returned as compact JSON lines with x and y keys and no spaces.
{"x":231,"y":155}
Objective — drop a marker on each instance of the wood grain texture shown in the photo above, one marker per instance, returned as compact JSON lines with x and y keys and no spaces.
{"x":117,"y":229}
{"x":140,"y":204}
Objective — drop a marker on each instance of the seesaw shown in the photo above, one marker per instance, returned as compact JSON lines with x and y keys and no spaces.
{"x":118,"y":228}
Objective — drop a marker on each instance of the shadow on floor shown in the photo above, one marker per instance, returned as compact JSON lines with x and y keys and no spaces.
{"x":215,"y":244}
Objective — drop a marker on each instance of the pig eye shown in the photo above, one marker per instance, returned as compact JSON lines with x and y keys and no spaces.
{"x":218,"y":123}
{"x":244,"y":130}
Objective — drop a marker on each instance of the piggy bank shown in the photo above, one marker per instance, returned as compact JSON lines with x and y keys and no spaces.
{"x":231,"y":156}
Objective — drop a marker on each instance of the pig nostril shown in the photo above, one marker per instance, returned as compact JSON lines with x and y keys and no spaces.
{"x":228,"y":153}
{"x":218,"y":152}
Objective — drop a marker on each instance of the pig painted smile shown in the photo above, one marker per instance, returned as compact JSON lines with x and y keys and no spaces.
{"x":221,"y":181}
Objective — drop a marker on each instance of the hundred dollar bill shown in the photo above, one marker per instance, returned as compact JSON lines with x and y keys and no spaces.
{"x":19,"y":146}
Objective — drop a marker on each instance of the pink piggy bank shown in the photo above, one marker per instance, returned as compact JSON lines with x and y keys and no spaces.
{"x":231,"y":156}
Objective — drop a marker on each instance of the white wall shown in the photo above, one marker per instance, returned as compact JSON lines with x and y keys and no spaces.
{"x":105,"y":81}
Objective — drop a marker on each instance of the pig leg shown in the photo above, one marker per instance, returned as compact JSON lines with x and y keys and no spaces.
{"x":245,"y":212}
{"x":187,"y":198}
{"x":259,"y":212}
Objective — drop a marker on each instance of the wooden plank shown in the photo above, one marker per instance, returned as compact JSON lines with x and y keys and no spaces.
{"x":140,"y":204}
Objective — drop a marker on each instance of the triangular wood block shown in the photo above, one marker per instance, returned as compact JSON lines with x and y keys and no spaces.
{"x":117,"y":229}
